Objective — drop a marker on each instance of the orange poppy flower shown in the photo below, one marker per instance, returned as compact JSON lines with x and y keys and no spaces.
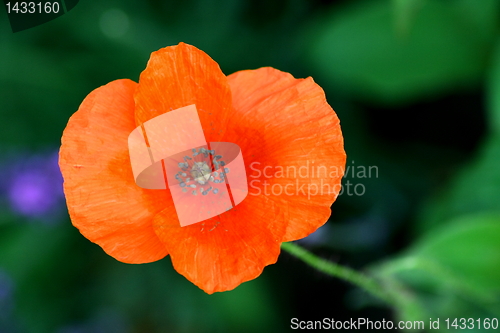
{"x":292,"y":148}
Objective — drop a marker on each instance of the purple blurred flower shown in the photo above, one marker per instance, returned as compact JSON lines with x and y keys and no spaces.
{"x":34,"y":186}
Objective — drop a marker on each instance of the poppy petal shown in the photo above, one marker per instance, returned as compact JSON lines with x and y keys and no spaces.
{"x":220,"y":253}
{"x":285,"y":125}
{"x":181,"y":75}
{"x":103,"y":200}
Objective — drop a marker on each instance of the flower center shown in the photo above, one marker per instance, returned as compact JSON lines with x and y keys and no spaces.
{"x":196,"y":173}
{"x":200,"y":172}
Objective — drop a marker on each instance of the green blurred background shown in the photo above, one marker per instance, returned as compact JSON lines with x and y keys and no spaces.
{"x":416,"y":84}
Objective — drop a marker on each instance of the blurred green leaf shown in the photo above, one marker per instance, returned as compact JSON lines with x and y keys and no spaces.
{"x":476,"y":188}
{"x":453,"y":271}
{"x":242,"y":306}
{"x":405,"y":12}
{"x":31,"y":254}
{"x":359,"y":50}
{"x":469,"y":247}
{"x":494,"y":92}
{"x":171,"y":303}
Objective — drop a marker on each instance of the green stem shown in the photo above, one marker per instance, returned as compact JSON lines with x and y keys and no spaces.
{"x":367,"y":283}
